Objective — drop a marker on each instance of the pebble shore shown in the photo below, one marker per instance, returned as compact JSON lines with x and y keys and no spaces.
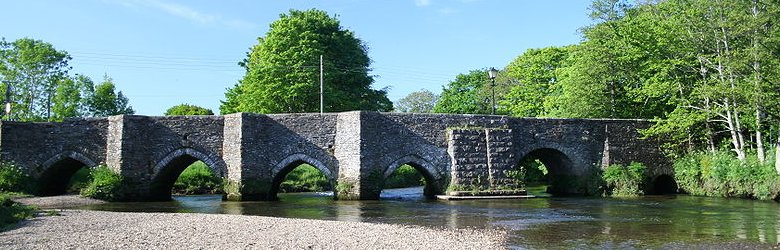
{"x":82,"y":229}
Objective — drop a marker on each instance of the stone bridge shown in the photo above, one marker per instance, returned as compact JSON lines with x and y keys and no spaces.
{"x":355,"y":150}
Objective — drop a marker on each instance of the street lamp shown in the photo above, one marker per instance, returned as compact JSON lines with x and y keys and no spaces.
{"x":492,"y":73}
{"x":8,"y":90}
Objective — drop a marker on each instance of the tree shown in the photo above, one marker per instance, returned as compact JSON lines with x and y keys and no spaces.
{"x":534,"y":77}
{"x":107,"y":102}
{"x":282,"y":69}
{"x":421,"y":101}
{"x":466,"y":95}
{"x":33,"y":68}
{"x":187,"y":109}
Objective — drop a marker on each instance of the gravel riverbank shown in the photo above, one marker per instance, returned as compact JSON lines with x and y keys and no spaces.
{"x":97,"y":229}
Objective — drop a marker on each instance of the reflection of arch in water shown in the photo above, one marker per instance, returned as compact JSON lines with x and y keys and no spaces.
{"x":284,"y":167}
{"x":562,"y":174}
{"x":58,"y":170}
{"x":167,"y":170}
{"x":432,"y":177}
{"x":664,"y":184}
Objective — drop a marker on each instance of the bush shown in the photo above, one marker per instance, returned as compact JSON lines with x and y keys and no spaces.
{"x":79,"y":181}
{"x":198,"y":178}
{"x":624,"y":181}
{"x":13,"y":179}
{"x":722,"y":174}
{"x":12,"y":212}
{"x":404,"y":176}
{"x":105,"y":184}
{"x":305,"y":178}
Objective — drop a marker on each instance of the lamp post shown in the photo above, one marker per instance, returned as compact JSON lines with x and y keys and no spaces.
{"x":8,"y":90}
{"x":492,"y":73}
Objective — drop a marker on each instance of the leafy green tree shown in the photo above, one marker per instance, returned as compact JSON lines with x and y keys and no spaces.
{"x":534,"y":77}
{"x":33,"y":68}
{"x":67,"y":100}
{"x":107,"y":102}
{"x":421,"y":101}
{"x":466,"y":95}
{"x":187,"y":109}
{"x":282,"y":69}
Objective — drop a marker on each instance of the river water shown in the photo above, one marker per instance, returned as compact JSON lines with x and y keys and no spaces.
{"x":673,"y":221}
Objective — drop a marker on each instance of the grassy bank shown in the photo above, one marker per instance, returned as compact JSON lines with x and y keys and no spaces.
{"x":13,"y":181}
{"x":198,"y":178}
{"x":12,"y":212}
{"x":305,"y":178}
{"x":721,"y":174}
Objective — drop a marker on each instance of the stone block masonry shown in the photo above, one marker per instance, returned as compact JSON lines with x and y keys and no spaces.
{"x":355,"y":150}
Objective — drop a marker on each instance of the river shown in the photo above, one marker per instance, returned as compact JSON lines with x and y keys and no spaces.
{"x":669,"y":221}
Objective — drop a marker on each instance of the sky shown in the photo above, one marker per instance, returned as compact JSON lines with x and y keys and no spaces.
{"x":161,"y":53}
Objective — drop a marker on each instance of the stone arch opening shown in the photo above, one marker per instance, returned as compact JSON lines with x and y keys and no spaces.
{"x":285,"y":167}
{"x":560,"y":177}
{"x":664,"y":184}
{"x":168,"y":170}
{"x":59,"y":171}
{"x":412,"y":167}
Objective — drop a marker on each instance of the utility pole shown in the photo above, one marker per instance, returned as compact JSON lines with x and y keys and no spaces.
{"x":322,"y":82}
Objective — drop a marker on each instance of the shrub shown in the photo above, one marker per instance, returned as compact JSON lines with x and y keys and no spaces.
{"x":13,"y":179}
{"x":105,"y":184}
{"x":198,"y":178}
{"x":404,"y":176}
{"x":722,"y":174}
{"x":79,"y":181}
{"x":305,"y":178}
{"x":624,"y":181}
{"x":12,"y":212}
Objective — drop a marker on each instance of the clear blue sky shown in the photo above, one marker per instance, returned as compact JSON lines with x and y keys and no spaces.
{"x":164,"y":52}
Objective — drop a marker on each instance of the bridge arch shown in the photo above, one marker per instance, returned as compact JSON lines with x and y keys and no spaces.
{"x":168,"y":169}
{"x":57,"y":171}
{"x":433,"y":179}
{"x":285,"y":166}
{"x":562,"y":169}
{"x":664,"y":184}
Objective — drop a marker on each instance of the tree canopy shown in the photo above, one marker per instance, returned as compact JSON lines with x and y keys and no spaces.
{"x":41,"y":88}
{"x":467,"y":94}
{"x":188,"y":109}
{"x":421,"y":101}
{"x":282,"y":69}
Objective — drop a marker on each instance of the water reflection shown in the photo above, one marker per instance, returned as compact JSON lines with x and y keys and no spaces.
{"x":570,"y":222}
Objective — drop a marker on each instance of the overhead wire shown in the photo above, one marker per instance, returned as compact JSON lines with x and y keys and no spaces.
{"x":180,"y":63}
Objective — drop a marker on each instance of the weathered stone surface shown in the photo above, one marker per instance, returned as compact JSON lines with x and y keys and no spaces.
{"x":356,"y":149}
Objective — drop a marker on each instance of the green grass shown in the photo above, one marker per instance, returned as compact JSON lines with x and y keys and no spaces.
{"x":12,"y":212}
{"x":404,"y":176}
{"x":198,"y":178}
{"x":305,"y":178}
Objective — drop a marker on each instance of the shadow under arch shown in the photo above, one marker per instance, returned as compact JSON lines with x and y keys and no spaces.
{"x":58,"y":170}
{"x":167,"y":170}
{"x":433,"y":179}
{"x":562,"y":176}
{"x":284,"y":167}
{"x":664,"y":184}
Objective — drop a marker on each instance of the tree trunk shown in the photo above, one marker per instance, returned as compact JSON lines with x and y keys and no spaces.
{"x":736,"y":140}
{"x":759,"y":137}
{"x":777,"y":152}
